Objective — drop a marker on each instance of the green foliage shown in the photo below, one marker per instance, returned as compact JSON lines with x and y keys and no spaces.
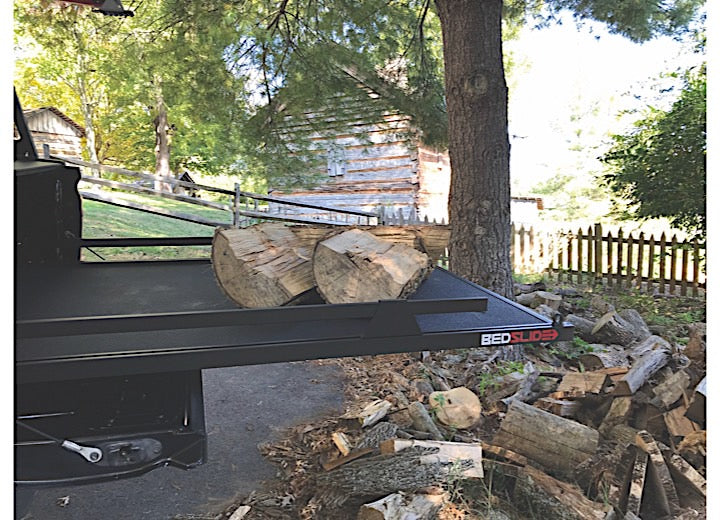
{"x":659,"y":168}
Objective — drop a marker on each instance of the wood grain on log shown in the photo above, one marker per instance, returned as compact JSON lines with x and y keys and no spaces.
{"x":355,"y":266}
{"x":637,"y":482}
{"x":447,"y":453}
{"x":558,"y":444}
{"x":618,"y":414}
{"x":262,"y":266}
{"x":584,"y":382}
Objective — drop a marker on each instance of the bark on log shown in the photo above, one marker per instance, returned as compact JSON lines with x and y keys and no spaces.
{"x":262,"y":266}
{"x":604,"y":356}
{"x":422,"y":420}
{"x":400,"y":506}
{"x":645,"y":366}
{"x":682,"y":470}
{"x":612,"y":329}
{"x":552,"y":498}
{"x":664,"y":493}
{"x":355,"y":266}
{"x":558,"y":444}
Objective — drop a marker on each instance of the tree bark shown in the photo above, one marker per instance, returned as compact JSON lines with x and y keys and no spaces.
{"x":163,"y":139}
{"x":476,"y":93}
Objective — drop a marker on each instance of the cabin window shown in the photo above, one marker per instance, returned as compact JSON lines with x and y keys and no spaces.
{"x":336,"y":165}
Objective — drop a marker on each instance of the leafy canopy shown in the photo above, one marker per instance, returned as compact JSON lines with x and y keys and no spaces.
{"x":659,"y":168}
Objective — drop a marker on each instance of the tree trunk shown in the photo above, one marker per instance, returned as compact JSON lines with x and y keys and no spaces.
{"x":162,"y":140}
{"x":479,"y":202}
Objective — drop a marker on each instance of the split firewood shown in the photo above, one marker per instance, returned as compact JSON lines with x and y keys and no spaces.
{"x":584,"y":382}
{"x":640,"y":328}
{"x":356,"y":266}
{"x":400,"y":506}
{"x":422,"y":420}
{"x":648,"y":344}
{"x":693,"y":449}
{"x":677,"y":424}
{"x":341,"y":442}
{"x":262,"y":266}
{"x":671,"y":389}
{"x":618,"y":414}
{"x":652,"y":360}
{"x":457,"y":408}
{"x":240,"y":513}
{"x":561,"y":407}
{"x":696,"y":410}
{"x":447,"y":453}
{"x":353,"y":455}
{"x":552,"y":498}
{"x":695,"y":348}
{"x":504,"y":453}
{"x":557,"y":443}
{"x":524,"y":392}
{"x":637,"y":482}
{"x":371,"y":413}
{"x":663,"y":492}
{"x":681,"y":469}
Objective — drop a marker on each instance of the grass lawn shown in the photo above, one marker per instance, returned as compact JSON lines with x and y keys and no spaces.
{"x":102,"y":220}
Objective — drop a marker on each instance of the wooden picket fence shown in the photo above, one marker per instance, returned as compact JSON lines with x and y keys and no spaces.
{"x":621,"y":261}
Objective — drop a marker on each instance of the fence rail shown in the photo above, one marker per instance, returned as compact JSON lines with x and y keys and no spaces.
{"x":620,"y":260}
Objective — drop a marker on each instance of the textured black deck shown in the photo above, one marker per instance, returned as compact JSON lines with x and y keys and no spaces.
{"x":112,"y":289}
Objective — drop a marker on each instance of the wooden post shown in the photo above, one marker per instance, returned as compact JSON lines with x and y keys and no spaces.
{"x":684,"y":268}
{"x":591,"y":252}
{"x":629,"y":261}
{"x":641,"y":245}
{"x":663,"y":270}
{"x":532,"y":261}
{"x":560,"y":262}
{"x":618,"y":260}
{"x":651,"y":264}
{"x":609,"y":259}
{"x":579,"y":255}
{"x":598,"y":252}
{"x":236,"y":206}
{"x":673,"y":264}
{"x":569,"y":257}
{"x":696,"y":267}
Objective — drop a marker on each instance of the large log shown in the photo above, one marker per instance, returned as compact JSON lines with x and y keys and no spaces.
{"x":262,"y":266}
{"x":355,"y":266}
{"x":649,"y":362}
{"x":558,"y":444}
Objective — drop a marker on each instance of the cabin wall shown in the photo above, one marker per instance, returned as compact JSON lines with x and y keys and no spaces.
{"x":62,"y":138}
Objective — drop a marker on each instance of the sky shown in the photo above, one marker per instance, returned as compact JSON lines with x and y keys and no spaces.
{"x":565,"y":72}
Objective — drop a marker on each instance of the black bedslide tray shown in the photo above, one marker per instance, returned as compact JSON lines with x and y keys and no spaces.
{"x":108,"y":319}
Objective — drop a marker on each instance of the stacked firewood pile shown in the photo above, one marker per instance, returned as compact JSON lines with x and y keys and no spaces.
{"x":609,"y":426}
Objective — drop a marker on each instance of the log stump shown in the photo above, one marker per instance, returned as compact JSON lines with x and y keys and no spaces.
{"x":356,"y":266}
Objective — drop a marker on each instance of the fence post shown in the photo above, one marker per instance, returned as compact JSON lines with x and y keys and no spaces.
{"x":579,"y":255}
{"x":663,"y":266}
{"x":696,"y":268}
{"x":609,"y":259}
{"x":684,"y":269}
{"x":629,"y":262}
{"x":651,"y":264}
{"x":236,"y":206}
{"x":673,"y":264}
{"x":641,"y":246}
{"x":618,"y":260}
{"x":598,"y":239}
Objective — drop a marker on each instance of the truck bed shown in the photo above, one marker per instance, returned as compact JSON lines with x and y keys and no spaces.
{"x":109,"y":319}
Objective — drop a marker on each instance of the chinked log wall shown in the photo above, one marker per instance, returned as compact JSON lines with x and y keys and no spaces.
{"x":617,"y":260}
